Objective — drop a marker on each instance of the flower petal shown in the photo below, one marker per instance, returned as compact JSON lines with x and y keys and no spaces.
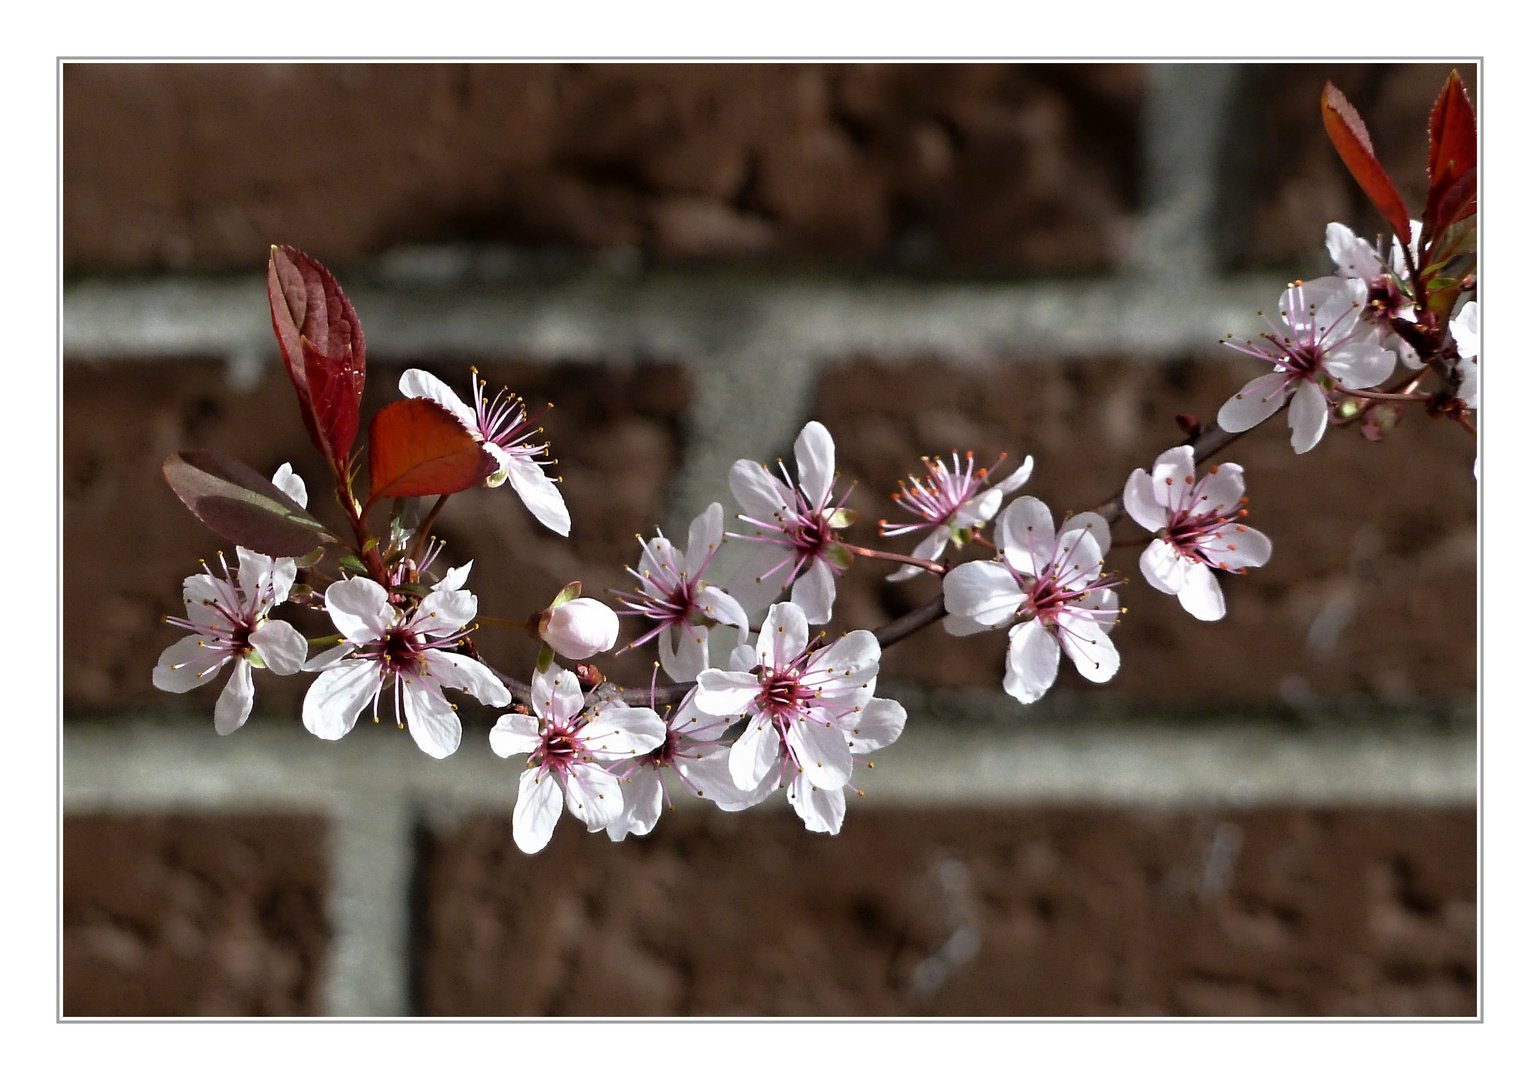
{"x":1358,"y":364}
{"x":821,"y":810}
{"x":1164,"y":567}
{"x":1254,"y":402}
{"x":420,"y":384}
{"x":822,"y":751}
{"x":460,"y":672}
{"x":1201,"y":596}
{"x":360,"y":609}
{"x":291,"y":484}
{"x":704,"y":539}
{"x":535,"y":814}
{"x":1237,"y":546}
{"x":555,"y":694}
{"x":234,"y":704}
{"x":761,"y":495}
{"x":815,"y":463}
{"x":983,"y":591}
{"x":641,"y":804}
{"x":1032,"y":664}
{"x":754,"y":753}
{"x":1025,"y":535}
{"x":622,"y":731}
{"x":541,"y":496}
{"x":335,"y":699}
{"x":429,"y":717}
{"x":325,"y":659}
{"x":880,"y":724}
{"x":1086,"y":643}
{"x":783,"y":636}
{"x":691,"y":657}
{"x":723,"y":608}
{"x":515,"y":733}
{"x":814,"y":593}
{"x":281,"y":647}
{"x":593,"y":795}
{"x":1141,"y":501}
{"x":187,"y":663}
{"x":726,"y":693}
{"x":1307,"y":417}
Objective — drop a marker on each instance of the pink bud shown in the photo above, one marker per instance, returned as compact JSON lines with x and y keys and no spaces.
{"x":580,"y":628}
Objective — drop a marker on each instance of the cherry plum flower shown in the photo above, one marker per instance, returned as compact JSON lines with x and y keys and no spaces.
{"x":1200,"y":526}
{"x":1389,"y":297}
{"x":1053,"y":582}
{"x":410,"y":652}
{"x":569,"y":743}
{"x":672,"y":593}
{"x":229,"y":621}
{"x":810,"y":711}
{"x":1321,"y":345}
{"x":950,"y":501}
{"x":796,"y":524}
{"x":577,"y":629}
{"x":694,"y":751}
{"x":504,"y":431}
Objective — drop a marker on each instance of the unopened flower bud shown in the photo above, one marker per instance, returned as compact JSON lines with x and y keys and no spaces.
{"x":580,"y":628}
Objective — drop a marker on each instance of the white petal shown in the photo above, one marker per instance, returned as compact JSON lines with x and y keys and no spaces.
{"x":281,"y":647}
{"x":187,"y":663}
{"x":541,"y":496}
{"x":460,"y":672}
{"x":1307,"y":417}
{"x":623,"y":731}
{"x":1353,"y":255}
{"x":761,"y":495}
{"x":1174,"y":470}
{"x":783,"y":635}
{"x":1022,"y":474}
{"x":535,"y":814}
{"x":1359,"y":364}
{"x":851,"y":660}
{"x":1032,"y":663}
{"x":933,"y":544}
{"x":443,"y":611}
{"x":983,"y":591}
{"x":705,"y":537}
{"x":962,"y":626}
{"x":821,"y":810}
{"x":761,"y":577}
{"x":290,"y":483}
{"x":360,"y":609}
{"x":335,"y":699}
{"x":430,"y":718}
{"x":1087,"y":644}
{"x":256,"y":572}
{"x":1253,"y":403}
{"x":420,"y":384}
{"x":754,"y":753}
{"x":880,"y":724}
{"x":815,"y":463}
{"x":1238,"y":546}
{"x":234,"y":704}
{"x":814,"y":593}
{"x":1083,"y":540}
{"x":822,"y":751}
{"x":726,"y":693}
{"x":723,"y":608}
{"x":454,"y":578}
{"x":642,"y":804}
{"x":1465,"y":328}
{"x":691,"y":657}
{"x":1025,"y":535}
{"x":708,"y":776}
{"x":515,"y":733}
{"x":325,"y":659}
{"x":1220,"y":489}
{"x":555,"y":693}
{"x":1164,"y":568}
{"x":1201,"y":595}
{"x":593,"y":795}
{"x":1141,"y":501}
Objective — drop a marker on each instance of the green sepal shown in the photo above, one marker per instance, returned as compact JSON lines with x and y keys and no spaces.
{"x":841,"y":518}
{"x":573,"y":590}
{"x":839,"y":556}
{"x":306,"y":561}
{"x":545,"y":659}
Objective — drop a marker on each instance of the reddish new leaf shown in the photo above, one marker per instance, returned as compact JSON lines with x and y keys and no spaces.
{"x":242,"y":505}
{"x":1351,"y":139}
{"x":1451,"y":152}
{"x":308,"y":306}
{"x":418,"y":447}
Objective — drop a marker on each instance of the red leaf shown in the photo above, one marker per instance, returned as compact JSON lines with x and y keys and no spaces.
{"x":1451,"y":150}
{"x":242,"y":505}
{"x":1351,"y":139}
{"x":308,"y":306}
{"x":418,"y":447}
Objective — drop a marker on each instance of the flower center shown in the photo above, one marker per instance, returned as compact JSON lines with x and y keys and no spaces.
{"x":782,"y":693}
{"x":402,"y":649}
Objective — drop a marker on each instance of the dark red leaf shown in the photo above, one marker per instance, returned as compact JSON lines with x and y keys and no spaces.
{"x":418,"y":447}
{"x":242,"y":505}
{"x":1351,"y":139}
{"x":308,"y":305}
{"x":1451,"y":149}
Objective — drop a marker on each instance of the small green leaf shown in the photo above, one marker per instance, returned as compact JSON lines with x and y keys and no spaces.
{"x":545,"y":659}
{"x":573,"y":590}
{"x":839,"y":555}
{"x":351,"y":562}
{"x":841,"y":518}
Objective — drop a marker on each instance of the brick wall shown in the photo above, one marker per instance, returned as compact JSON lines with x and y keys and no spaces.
{"x":690,"y":262}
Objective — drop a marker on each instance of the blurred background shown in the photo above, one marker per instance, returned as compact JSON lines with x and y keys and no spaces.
{"x":1270,"y":815}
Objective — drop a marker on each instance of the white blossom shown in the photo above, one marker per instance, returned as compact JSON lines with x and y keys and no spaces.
{"x":950,"y":502}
